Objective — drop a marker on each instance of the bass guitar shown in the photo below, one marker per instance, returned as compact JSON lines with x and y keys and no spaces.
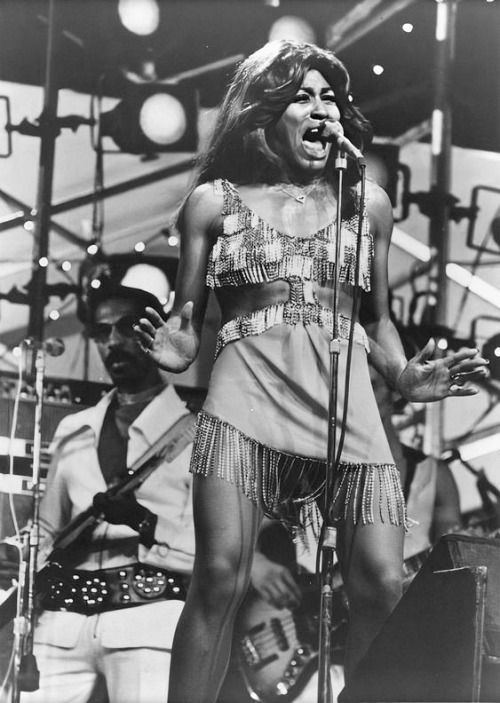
{"x":78,"y":531}
{"x":277,"y":649}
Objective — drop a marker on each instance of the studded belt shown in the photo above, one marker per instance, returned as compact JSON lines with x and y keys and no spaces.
{"x":89,"y":592}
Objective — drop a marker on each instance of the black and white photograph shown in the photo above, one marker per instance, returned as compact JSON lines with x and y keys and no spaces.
{"x":249,"y":351}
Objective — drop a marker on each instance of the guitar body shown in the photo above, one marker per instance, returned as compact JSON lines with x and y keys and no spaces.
{"x":277,"y":649}
{"x":274,"y":662}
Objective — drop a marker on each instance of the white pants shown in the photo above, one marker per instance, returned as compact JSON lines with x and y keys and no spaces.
{"x":92,"y":673}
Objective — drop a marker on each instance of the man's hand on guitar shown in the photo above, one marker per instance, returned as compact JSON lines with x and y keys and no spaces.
{"x":274,"y":583}
{"x":124,"y":509}
{"x":9,"y":564}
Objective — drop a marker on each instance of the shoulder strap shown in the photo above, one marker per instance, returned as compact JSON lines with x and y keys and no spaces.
{"x":166,"y":448}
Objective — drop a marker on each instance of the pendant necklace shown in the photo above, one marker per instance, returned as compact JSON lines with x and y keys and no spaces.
{"x":300,"y":196}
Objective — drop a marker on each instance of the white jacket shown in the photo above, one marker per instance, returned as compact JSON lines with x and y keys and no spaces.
{"x":75,"y":477}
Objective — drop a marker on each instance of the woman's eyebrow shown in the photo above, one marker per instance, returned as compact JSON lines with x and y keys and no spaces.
{"x":310,"y":90}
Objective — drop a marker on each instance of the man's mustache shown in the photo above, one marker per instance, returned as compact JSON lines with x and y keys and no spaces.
{"x":116,"y":357}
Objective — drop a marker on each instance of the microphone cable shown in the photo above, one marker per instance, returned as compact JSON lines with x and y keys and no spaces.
{"x":330,"y":486}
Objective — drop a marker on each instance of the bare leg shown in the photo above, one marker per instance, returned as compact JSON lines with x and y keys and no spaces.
{"x":226,"y":524}
{"x":371,"y":560}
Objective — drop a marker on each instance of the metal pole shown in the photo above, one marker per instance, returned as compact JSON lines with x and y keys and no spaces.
{"x":439,"y":191}
{"x":329,"y":541}
{"x":49,"y":134}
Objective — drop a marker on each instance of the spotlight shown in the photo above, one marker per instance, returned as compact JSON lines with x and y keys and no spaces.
{"x":150,"y":273}
{"x":292,"y":27}
{"x":154,"y":118}
{"x":141,"y":17}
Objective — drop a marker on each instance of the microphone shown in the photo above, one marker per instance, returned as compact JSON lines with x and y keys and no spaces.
{"x":54,"y":346}
{"x":334,"y":133}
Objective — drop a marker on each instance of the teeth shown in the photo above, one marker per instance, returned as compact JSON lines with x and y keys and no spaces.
{"x":313,"y":134}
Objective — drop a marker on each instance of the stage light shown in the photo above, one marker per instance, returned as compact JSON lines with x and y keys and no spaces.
{"x":150,"y":278}
{"x":140,"y":17}
{"x":153,"y":118}
{"x":491,"y":351}
{"x":153,"y":274}
{"x":294,"y":28}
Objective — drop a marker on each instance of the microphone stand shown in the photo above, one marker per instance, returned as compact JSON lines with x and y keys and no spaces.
{"x":329,"y":533}
{"x":26,"y":674}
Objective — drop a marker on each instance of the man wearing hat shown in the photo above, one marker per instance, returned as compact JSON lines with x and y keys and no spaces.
{"x":111,"y":603}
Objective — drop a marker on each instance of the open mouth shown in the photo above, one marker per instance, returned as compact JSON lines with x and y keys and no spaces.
{"x":313,"y":139}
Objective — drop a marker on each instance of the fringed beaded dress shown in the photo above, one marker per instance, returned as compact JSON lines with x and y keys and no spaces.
{"x":264,"y":424}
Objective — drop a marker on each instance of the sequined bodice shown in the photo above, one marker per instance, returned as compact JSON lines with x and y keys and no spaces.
{"x":251,"y":251}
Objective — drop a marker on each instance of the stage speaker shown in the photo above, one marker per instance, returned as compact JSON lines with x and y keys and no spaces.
{"x":441,"y":643}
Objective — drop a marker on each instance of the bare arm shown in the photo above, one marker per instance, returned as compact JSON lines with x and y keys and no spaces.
{"x":386,"y":351}
{"x":174,"y":344}
{"x":428,"y":376}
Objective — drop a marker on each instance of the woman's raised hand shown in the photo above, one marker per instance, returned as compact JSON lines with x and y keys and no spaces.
{"x":429,"y":377}
{"x":173,"y":344}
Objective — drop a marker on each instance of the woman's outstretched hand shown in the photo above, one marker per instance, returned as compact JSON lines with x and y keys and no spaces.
{"x":428,"y":377}
{"x":173,"y":344}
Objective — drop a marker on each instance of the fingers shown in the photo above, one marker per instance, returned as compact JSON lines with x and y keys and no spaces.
{"x":465,"y":365}
{"x":145,"y":331}
{"x":293,"y":589}
{"x":459,"y":390}
{"x":280,"y":588}
{"x":465,"y":356}
{"x":146,"y":327}
{"x":427,"y":352}
{"x":153,"y":317}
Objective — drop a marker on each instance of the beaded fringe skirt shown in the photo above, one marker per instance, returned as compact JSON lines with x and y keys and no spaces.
{"x":291,"y":488}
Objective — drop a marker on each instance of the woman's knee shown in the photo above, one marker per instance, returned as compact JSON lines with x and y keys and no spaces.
{"x":380,"y":590}
{"x":221,"y":580}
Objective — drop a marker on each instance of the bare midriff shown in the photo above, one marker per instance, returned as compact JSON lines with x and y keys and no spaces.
{"x":237,"y":301}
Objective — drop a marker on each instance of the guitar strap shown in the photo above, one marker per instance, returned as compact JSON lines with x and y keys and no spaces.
{"x":166,"y":448}
{"x":170,"y":444}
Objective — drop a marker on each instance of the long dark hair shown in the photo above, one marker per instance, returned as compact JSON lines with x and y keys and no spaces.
{"x":263,"y":86}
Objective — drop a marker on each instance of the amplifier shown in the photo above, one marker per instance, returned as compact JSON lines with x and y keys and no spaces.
{"x":61,"y":397}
